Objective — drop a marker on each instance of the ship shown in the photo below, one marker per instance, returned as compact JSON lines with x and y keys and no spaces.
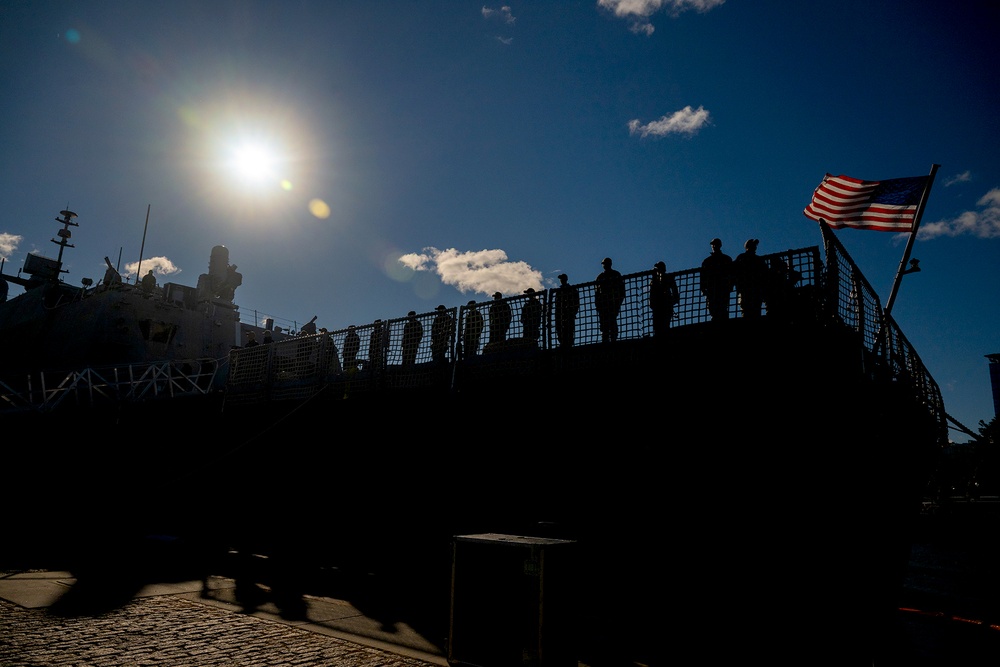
{"x":759,"y":473}
{"x":54,"y":325}
{"x":105,"y":335}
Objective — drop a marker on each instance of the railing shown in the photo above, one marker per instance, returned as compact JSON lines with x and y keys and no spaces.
{"x":46,"y":391}
{"x":836,"y":293}
{"x":297,"y":368}
{"x":380,"y":344}
{"x":889,"y":353}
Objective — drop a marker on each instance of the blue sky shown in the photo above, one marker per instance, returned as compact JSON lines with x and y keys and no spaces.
{"x":493,"y":147}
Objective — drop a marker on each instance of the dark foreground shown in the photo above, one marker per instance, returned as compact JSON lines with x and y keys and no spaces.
{"x":254,"y":613}
{"x":690,"y":535}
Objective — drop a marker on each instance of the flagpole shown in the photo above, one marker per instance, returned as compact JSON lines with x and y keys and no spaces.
{"x":909,"y":242}
{"x":142,"y":247}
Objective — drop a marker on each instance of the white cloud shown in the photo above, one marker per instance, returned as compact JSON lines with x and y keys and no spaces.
{"x":502,"y":14}
{"x":984,"y":224}
{"x":478,"y":271}
{"x":686,"y":121}
{"x":160,"y":265}
{"x":639,"y":11}
{"x":8,"y":244}
{"x":964,"y":177}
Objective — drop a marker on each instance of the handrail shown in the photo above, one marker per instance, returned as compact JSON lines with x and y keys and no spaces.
{"x":634,"y":320}
{"x":297,"y":368}
{"x":835,"y":292}
{"x":132,"y":383}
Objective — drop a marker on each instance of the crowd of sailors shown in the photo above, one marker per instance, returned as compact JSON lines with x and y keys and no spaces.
{"x":604,"y":310}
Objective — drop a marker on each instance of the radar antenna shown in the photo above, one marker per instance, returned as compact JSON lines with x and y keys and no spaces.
{"x":64,"y":234}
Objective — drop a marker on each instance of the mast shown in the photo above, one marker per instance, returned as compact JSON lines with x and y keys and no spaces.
{"x":909,"y":243}
{"x":902,"y":270}
{"x":64,"y":234}
{"x":142,"y":248}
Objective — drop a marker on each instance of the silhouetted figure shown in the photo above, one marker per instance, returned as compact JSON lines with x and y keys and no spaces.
{"x":750,"y":275}
{"x":352,"y":348}
{"x":473,"y":330}
{"x":441,"y":334}
{"x":531,"y":315}
{"x":148,"y":282}
{"x":378,"y":345}
{"x":413,"y":331}
{"x":304,"y":348}
{"x":780,"y":294}
{"x":309,"y":328}
{"x":500,"y":318}
{"x":330,"y":362}
{"x":251,"y":340}
{"x":663,"y":296}
{"x":268,"y":337}
{"x":717,"y":281}
{"x":609,"y":293}
{"x":566,"y":307}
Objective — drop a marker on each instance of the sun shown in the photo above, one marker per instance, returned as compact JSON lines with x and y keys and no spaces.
{"x":255,"y":163}
{"x":247,"y":154}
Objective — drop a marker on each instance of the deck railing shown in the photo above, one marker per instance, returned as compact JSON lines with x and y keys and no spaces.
{"x":836,"y":292}
{"x":854,"y":303}
{"x":132,"y":383}
{"x":297,"y":368}
{"x":380,"y":343}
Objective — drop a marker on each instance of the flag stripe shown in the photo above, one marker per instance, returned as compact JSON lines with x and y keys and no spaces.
{"x":887,"y":206}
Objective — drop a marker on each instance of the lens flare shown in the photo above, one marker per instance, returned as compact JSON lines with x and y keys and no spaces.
{"x":319,"y":208}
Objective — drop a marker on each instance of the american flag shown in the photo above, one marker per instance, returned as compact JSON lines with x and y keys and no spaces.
{"x":886,"y":206}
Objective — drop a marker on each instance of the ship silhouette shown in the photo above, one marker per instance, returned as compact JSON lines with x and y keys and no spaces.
{"x":759,"y":472}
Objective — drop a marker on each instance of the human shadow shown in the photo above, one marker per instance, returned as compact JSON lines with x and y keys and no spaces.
{"x":109,"y":573}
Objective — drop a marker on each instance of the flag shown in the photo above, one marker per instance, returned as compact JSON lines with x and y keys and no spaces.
{"x":885,"y":206}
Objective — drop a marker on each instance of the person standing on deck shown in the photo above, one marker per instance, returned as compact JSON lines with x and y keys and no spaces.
{"x":148,"y":282}
{"x":609,"y":293}
{"x":442,"y":329}
{"x":378,"y":345}
{"x":717,"y":281}
{"x":500,"y":317}
{"x":352,"y":348}
{"x":531,"y":316}
{"x":750,"y":272}
{"x":473,"y":330}
{"x":567,"y":305}
{"x":663,"y":296}
{"x":413,"y":331}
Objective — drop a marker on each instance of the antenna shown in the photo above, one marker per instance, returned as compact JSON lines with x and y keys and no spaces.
{"x":64,"y":234}
{"x":142,"y":248}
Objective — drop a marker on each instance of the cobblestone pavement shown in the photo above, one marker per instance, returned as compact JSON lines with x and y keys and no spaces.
{"x":166,"y":631}
{"x":948,"y":617}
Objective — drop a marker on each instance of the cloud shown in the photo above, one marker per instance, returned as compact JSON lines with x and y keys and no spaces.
{"x":639,"y":11}
{"x":964,"y":177}
{"x":160,"y":265}
{"x":502,"y":14}
{"x":984,"y":224}
{"x":479,"y":271}
{"x":8,"y":244}
{"x":686,"y":121}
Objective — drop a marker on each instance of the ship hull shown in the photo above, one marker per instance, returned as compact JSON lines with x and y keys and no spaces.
{"x":750,"y":474}
{"x":62,"y":328}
